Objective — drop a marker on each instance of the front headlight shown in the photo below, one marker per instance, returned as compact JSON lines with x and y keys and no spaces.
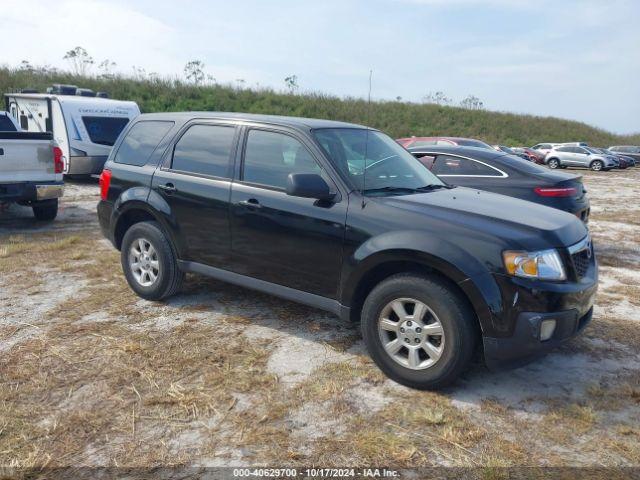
{"x":543,"y":265}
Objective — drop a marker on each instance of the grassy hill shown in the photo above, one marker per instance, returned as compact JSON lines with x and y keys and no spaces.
{"x":396,"y":118}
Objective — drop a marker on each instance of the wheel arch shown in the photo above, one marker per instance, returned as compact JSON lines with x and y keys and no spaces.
{"x":386,"y":264}
{"x":136,"y":211}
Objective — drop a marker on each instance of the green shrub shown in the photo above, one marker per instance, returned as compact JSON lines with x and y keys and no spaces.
{"x":398,"y":119}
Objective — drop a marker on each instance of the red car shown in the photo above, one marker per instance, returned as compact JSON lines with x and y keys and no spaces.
{"x":534,"y":155}
{"x":452,"y":141}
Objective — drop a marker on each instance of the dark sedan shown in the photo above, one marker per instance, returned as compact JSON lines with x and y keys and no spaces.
{"x":506,"y":174}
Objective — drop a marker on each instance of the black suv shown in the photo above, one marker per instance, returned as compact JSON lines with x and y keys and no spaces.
{"x":341,"y":217}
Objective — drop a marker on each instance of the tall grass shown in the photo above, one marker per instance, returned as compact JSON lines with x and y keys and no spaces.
{"x":399,"y":119}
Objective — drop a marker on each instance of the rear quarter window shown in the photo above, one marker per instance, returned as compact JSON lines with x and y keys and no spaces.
{"x":140,"y":142}
{"x":449,"y":165}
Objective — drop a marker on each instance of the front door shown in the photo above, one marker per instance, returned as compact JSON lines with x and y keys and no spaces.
{"x":196,"y":184}
{"x":290,"y":241}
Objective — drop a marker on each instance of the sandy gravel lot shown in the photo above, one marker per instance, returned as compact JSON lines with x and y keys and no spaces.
{"x":91,"y":375}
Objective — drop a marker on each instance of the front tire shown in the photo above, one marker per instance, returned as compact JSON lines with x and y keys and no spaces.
{"x":553,"y":163}
{"x":45,"y":210}
{"x":596,"y":165}
{"x":418,"y":330}
{"x":149,"y":262}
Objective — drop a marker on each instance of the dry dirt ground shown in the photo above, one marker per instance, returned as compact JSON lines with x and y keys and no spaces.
{"x":91,"y":375}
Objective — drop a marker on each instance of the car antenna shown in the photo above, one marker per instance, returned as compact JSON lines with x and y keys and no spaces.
{"x":366,"y":140}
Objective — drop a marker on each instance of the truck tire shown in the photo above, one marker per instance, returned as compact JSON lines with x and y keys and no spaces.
{"x":418,"y":330}
{"x":45,"y":210}
{"x":149,"y":262}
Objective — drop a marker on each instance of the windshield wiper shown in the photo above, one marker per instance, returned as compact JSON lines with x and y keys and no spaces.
{"x":433,"y":186}
{"x":392,"y":189}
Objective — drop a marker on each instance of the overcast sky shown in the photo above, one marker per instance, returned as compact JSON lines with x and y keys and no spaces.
{"x":577,"y":59}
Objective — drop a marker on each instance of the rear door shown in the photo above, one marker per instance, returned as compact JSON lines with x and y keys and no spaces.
{"x":195,"y":181}
{"x":290,"y":241}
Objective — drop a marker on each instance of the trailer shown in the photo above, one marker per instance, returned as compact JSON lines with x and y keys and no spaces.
{"x":85,"y":127}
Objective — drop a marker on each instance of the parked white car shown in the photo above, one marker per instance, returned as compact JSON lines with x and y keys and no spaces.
{"x":582,"y":157}
{"x":84,"y":127}
{"x":545,"y":148}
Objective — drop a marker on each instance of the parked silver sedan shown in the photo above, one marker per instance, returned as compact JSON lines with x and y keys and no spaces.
{"x":582,"y":157}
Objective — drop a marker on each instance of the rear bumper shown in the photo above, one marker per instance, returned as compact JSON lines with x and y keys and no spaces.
{"x":86,"y":165}
{"x":30,"y":191}
{"x":104,"y":219}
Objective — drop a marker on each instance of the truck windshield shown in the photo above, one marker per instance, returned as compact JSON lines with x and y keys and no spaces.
{"x":104,"y":130}
{"x":389,"y":168}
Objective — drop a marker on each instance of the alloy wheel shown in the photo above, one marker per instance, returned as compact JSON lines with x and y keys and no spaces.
{"x":411,"y":333}
{"x":143,"y":262}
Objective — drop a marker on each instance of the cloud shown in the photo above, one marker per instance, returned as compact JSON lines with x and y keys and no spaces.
{"x":106,"y":29}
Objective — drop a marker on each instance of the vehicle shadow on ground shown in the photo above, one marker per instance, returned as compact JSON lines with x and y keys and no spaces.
{"x":18,"y":219}
{"x":562,"y":375}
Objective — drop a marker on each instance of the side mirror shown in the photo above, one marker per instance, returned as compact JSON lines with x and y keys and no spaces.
{"x":308,"y":185}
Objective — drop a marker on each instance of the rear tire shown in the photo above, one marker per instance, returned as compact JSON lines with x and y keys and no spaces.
{"x":45,"y":210}
{"x":443,"y":334}
{"x":596,"y":165}
{"x":553,"y":163}
{"x":149,"y":262}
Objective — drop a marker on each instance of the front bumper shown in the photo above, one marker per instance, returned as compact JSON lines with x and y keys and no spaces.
{"x":26,"y":192}
{"x":525,"y":344}
{"x":526,"y":304}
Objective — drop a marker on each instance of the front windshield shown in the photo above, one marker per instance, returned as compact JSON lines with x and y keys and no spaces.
{"x":388,"y":166}
{"x":592,"y":150}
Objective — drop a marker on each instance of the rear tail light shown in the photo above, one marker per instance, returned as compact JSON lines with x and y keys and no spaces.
{"x":105,"y":182}
{"x":58,"y":161}
{"x":556,"y":191}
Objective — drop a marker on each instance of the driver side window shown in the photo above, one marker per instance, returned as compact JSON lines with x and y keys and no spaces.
{"x":270,"y":157}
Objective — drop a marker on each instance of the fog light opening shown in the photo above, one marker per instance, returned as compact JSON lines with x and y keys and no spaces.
{"x":547,"y":327}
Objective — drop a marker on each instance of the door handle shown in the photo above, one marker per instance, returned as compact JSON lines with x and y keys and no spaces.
{"x":167,"y":187}
{"x":252,"y":202}
{"x":1,"y":151}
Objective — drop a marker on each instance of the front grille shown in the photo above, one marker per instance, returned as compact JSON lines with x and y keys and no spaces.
{"x":581,"y":256}
{"x":581,"y":261}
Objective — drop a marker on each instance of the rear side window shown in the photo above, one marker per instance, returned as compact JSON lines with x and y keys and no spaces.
{"x":141,"y":141}
{"x":104,"y":130}
{"x":6,"y":125}
{"x":204,"y":150}
{"x":270,"y":157}
{"x":448,"y":165}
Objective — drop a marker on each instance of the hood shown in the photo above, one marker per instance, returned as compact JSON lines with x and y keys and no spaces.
{"x":530,"y":225}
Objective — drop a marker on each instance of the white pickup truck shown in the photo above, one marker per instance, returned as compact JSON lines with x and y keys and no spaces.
{"x":31,"y":167}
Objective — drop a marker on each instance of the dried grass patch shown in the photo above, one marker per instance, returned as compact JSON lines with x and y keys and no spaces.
{"x":92,"y":384}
